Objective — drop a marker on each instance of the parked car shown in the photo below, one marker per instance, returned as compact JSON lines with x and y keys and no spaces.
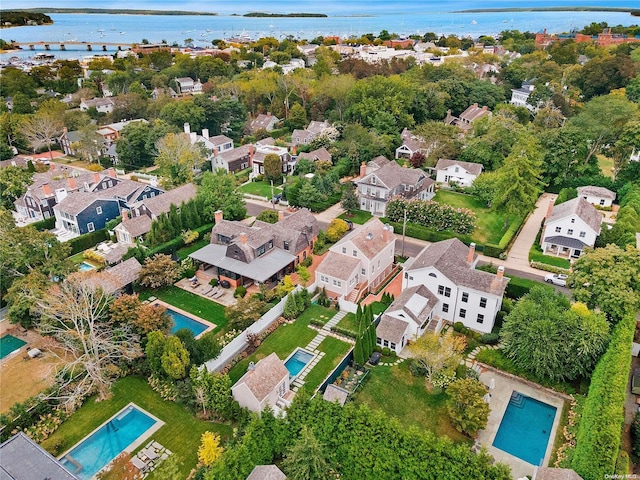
{"x":375,"y":358}
{"x":559,"y":279}
{"x":635,"y":381}
{"x":349,"y":224}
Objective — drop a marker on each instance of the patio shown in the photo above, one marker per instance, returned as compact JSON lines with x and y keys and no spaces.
{"x":223,"y":296}
{"x":148,"y":459}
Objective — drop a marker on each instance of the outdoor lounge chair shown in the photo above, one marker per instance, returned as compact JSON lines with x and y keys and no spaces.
{"x":150,"y":453}
{"x":206,"y":290}
{"x":139,"y":464}
{"x":213,"y":292}
{"x":218,"y":294}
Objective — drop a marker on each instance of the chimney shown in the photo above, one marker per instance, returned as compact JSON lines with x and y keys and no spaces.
{"x":500,"y":272}
{"x":280,"y":215}
{"x":47,"y":189}
{"x":251,"y":155}
{"x":243,"y":238}
{"x":52,"y":166}
{"x":475,"y":105}
{"x":64,"y":130}
{"x":268,"y":114}
{"x":363,"y":169}
{"x":217,"y":216}
{"x":96,"y":177}
{"x":193,"y":136}
{"x":112,"y":173}
{"x":294,"y":150}
{"x":387,"y":232}
{"x":125,"y":216}
{"x":215,"y":152}
{"x":472,"y":252}
{"x":484,"y":108}
{"x":550,"y":208}
{"x":72,"y":183}
{"x":187,"y":128}
{"x":205,"y":133}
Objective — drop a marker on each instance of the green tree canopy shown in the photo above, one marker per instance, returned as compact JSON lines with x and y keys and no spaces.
{"x":218,"y":191}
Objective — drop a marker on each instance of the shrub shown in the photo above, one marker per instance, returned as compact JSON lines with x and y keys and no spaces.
{"x":635,"y":435}
{"x":344,"y":331}
{"x":337,"y":229}
{"x":386,"y":351}
{"x":460,"y":328}
{"x":432,"y":215}
{"x":491,"y":250}
{"x":88,"y":240}
{"x":490,"y":338}
{"x":46,"y":224}
{"x":189,"y":236}
{"x":240,"y":292}
{"x":213,"y":282}
{"x":94,"y":257}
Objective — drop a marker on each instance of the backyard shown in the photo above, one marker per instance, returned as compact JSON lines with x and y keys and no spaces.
{"x":356,"y":216}
{"x":181,"y":432}
{"x":262,"y":189}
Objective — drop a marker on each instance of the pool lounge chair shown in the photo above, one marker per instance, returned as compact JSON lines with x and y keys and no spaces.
{"x":206,"y":290}
{"x":150,"y":454}
{"x":218,"y":294}
{"x":213,"y":292}
{"x":139,"y":464}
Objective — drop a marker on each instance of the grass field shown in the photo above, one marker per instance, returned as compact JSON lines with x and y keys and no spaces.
{"x":181,"y":432}
{"x":334,"y":350}
{"x":606,"y":165}
{"x":357,"y":216}
{"x":349,"y":322}
{"x":188,"y":249}
{"x":260,"y":188}
{"x":489,"y":224}
{"x":405,"y":397}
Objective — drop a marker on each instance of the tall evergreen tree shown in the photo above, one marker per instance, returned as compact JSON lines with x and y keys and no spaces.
{"x":358,"y":351}
{"x":175,"y":220}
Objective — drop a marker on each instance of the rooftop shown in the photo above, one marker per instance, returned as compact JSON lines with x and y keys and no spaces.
{"x":580,"y":207}
{"x":371,"y":238}
{"x":471,"y":167}
{"x":264,"y":377}
{"x":23,"y":459}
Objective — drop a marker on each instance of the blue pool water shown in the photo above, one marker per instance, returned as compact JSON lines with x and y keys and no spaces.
{"x":181,"y":321}
{"x":85,"y":267}
{"x":107,"y":442}
{"x":296,"y":362}
{"x":525,"y":428}
{"x":9,"y":344}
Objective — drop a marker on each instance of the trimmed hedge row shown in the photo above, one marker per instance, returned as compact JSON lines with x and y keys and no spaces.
{"x":599,"y":434}
{"x":492,"y":250}
{"x":88,"y":240}
{"x":422,"y":233}
{"x":172,"y":246}
{"x":46,"y":224}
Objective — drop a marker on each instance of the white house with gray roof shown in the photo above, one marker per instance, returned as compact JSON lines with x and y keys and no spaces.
{"x":570,"y":227}
{"x":264,"y":121}
{"x":599,"y":196}
{"x":408,"y":318}
{"x":411,"y":144}
{"x":359,"y":262}
{"x":265,"y":384}
{"x":466,"y":295}
{"x":454,"y":171}
{"x":382,"y":179}
{"x":313,"y":131}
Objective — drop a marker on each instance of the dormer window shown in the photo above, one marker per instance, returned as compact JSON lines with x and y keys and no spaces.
{"x":456,"y":169}
{"x":373,"y":179}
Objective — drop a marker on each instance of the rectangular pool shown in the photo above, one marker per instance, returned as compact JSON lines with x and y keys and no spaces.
{"x":525,"y":428}
{"x":297,"y":361}
{"x":103,"y":445}
{"x":181,"y":321}
{"x":9,"y":344}
{"x":85,"y":267}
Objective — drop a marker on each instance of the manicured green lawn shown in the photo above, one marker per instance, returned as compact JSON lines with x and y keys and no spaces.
{"x":606,"y":165}
{"x":188,"y":249}
{"x":181,"y":432}
{"x":334,"y":350}
{"x":378,"y":307}
{"x":317,"y":312}
{"x":536,"y":255}
{"x":357,"y":216}
{"x":260,"y":188}
{"x":489,"y":224}
{"x":405,"y":397}
{"x":349,"y":322}
{"x":192,"y":303}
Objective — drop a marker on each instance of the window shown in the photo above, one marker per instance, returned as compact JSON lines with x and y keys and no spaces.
{"x":344,"y":249}
{"x":355,"y":253}
{"x":304,"y":255}
{"x":378,"y":340}
{"x":480,"y":318}
{"x":433,"y":275}
{"x":602,"y":202}
{"x":573,"y":220}
{"x":286,"y":245}
{"x":373,"y":179}
{"x":483,"y":302}
{"x":392,"y":346}
{"x":440,"y":289}
{"x":447,"y":292}
{"x":270,"y":244}
{"x":558,"y":229}
{"x":570,"y":231}
{"x":463,"y":313}
{"x":99,"y":210}
{"x":324,"y":279}
{"x":456,"y":169}
{"x":583,"y":234}
{"x":364,"y":272}
{"x":465,"y":297}
{"x":337,"y":283}
{"x":261,"y":250}
{"x":90,"y":227}
{"x":153,"y":194}
{"x":445,"y":307}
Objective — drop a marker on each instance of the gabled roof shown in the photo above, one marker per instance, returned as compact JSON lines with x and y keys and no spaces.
{"x":474,"y":112}
{"x":391,"y":175}
{"x":548,"y":473}
{"x":162,"y":203}
{"x":338,"y":265}
{"x":77,"y":202}
{"x":265,"y":377}
{"x":262,"y":121}
{"x":266,"y":472}
{"x":23,"y":459}
{"x":235,"y":153}
{"x":391,"y":329}
{"x":592,"y":191}
{"x":136,"y":226}
{"x":320,"y":154}
{"x":579,"y":207}
{"x":220,"y":139}
{"x":471,"y":167}
{"x":97,"y":102}
{"x":123,"y":273}
{"x":449,"y":257}
{"x":371,"y":238}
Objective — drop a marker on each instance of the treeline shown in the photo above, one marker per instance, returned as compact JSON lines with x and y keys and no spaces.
{"x":22,"y":17}
{"x":113,"y":11}
{"x":285,"y":15}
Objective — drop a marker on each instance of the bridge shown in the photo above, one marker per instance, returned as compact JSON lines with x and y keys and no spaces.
{"x":89,"y":46}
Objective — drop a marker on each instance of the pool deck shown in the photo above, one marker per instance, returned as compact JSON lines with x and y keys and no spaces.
{"x":210,"y":326}
{"x":500,"y":396}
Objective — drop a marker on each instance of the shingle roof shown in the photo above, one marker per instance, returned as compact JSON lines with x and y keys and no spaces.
{"x":123,"y":273}
{"x":580,"y":207}
{"x":77,"y":202}
{"x":265,"y":376}
{"x":334,"y":393}
{"x":315,"y":155}
{"x":547,"y":473}
{"x":392,"y":175}
{"x":235,"y":153}
{"x":266,"y":472}
{"x":593,"y":191}
{"x":136,"y":226}
{"x":220,"y":139}
{"x":566,"y":242}
{"x":370,"y":238}
{"x":474,"y":112}
{"x":471,"y":167}
{"x":116,"y":253}
{"x":262,"y":121}
{"x":338,"y":265}
{"x":162,"y":203}
{"x":449,"y":257}
{"x":391,"y":329}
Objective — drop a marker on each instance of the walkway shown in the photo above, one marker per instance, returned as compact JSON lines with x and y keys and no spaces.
{"x":313,"y":347}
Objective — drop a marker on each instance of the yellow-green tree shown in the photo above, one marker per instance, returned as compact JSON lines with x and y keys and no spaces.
{"x":210,"y":450}
{"x":337,"y":229}
{"x":177,"y":159}
{"x":466,"y":406}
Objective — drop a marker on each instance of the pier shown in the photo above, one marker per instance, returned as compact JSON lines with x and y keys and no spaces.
{"x":89,"y":46}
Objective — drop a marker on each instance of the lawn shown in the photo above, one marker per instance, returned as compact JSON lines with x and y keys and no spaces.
{"x":399,"y":394}
{"x":535,"y":255}
{"x":181,"y":432}
{"x":185,"y":251}
{"x":606,"y":165}
{"x":357,"y":216}
{"x":489,"y":224}
{"x":349,"y":322}
{"x":192,"y":303}
{"x":334,"y":351}
{"x":262,"y":189}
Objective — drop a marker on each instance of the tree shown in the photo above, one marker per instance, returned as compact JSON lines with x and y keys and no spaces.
{"x":273,"y":167}
{"x":42,"y":130}
{"x":303,"y":275}
{"x":120,"y":468}
{"x":433,"y":353}
{"x":76,"y":313}
{"x":13,"y":184}
{"x":159,"y":271}
{"x":466,"y":406}
{"x":218,"y":191}
{"x":21,"y":298}
{"x":169,"y":468}
{"x":336,"y":230}
{"x":609,"y":279}
{"x":175,"y":358}
{"x":177,"y":159}
{"x":245,"y":311}
{"x":154,"y":350}
{"x":306,"y":459}
{"x":297,"y":117}
{"x":210,"y":449}
{"x":350,"y":200}
{"x":268,"y":216}
{"x":546,"y":336}
{"x":484,"y":187}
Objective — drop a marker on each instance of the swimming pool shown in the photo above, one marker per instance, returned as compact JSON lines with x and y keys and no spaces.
{"x":85,"y":267}
{"x":181,"y":321}
{"x":297,"y":361}
{"x":9,"y":344}
{"x":98,"y":449}
{"x":525,"y":428}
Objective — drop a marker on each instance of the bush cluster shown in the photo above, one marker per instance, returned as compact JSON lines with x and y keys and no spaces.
{"x":88,"y":240}
{"x":432,"y":215}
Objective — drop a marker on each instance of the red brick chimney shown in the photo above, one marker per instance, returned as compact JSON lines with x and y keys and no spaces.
{"x":72,"y":183}
{"x":112,"y":173}
{"x":215,"y":152}
{"x":472,"y":252}
{"x":550,"y":208}
{"x":363,"y":169}
{"x":46,"y":188}
{"x":280,"y":215}
{"x":268,"y":114}
{"x":125,"y":216}
{"x":52,"y":166}
{"x":500,"y":272}
{"x":217,"y":216}
{"x":387,"y":232}
{"x":96,"y":177}
{"x":243,"y":238}
{"x":294,"y":150}
{"x":251,"y":155}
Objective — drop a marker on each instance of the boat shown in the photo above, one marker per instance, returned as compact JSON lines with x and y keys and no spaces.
{"x":505,"y":21}
{"x":474,"y":22}
{"x":122,"y":33}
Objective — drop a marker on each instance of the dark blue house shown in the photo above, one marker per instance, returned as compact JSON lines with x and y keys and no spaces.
{"x":85,"y":212}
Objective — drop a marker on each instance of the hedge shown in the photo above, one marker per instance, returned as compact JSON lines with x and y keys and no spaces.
{"x":173,"y":245}
{"x":46,"y":224}
{"x":88,"y":240}
{"x":598,"y":439}
{"x":344,"y":331}
{"x":493,"y":250}
{"x":433,"y":215}
{"x":422,"y":233}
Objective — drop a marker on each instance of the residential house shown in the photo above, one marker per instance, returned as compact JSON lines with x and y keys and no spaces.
{"x":382,"y":179}
{"x":234,"y":160}
{"x":261,"y":151}
{"x":467,"y":295}
{"x":318,"y":155}
{"x":132,"y":230}
{"x":548,"y":473}
{"x":408,"y":318}
{"x":313,"y":131}
{"x":359,"y":262}
{"x":266,"y":472}
{"x":520,"y":96}
{"x":635,"y":155}
{"x":102,"y":105}
{"x":155,"y":205}
{"x":261,"y":253}
{"x":599,"y":196}
{"x":570,"y":227}
{"x":121,"y":277}
{"x":262,"y":122}
{"x":411,"y":144}
{"x":67,"y":139}
{"x":187,"y":86}
{"x":454,"y":171}
{"x":465,"y":121}
{"x":214,"y":145}
{"x":23,"y":459}
{"x":160,"y":92}
{"x":265,"y":384}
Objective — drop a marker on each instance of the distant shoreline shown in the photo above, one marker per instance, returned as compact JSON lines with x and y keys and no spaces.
{"x":548,"y":9}
{"x":110,"y":11}
{"x":285,"y":15}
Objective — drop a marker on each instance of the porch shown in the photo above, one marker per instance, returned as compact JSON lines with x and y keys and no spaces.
{"x":564,"y":247}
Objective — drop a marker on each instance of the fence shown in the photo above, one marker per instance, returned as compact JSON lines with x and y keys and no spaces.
{"x":346,"y":305}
